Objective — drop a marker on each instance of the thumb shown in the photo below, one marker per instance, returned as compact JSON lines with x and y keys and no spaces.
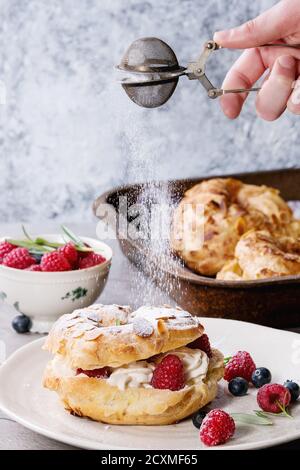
{"x":273,"y":24}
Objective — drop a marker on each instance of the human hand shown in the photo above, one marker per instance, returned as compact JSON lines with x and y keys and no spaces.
{"x":280,"y":24}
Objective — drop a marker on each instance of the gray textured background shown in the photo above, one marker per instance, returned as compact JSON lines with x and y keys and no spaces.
{"x":68,"y":131}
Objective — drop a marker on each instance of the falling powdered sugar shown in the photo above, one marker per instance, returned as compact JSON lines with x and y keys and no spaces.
{"x":150,"y":215}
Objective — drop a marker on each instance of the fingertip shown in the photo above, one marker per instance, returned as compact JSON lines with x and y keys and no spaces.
{"x":287,"y":62}
{"x":234,"y":38}
{"x":220,"y":36}
{"x":275,"y":94}
{"x":265,"y":109}
{"x":266,"y":116}
{"x":231,"y":106}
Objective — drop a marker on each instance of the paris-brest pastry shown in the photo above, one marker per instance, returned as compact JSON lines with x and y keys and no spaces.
{"x":119,"y":366}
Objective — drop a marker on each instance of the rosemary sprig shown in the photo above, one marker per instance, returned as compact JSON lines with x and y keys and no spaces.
{"x":40,"y":245}
{"x":29,"y":245}
{"x":227,"y":359}
{"x":43,"y":242}
{"x":283,"y":409}
{"x":266,"y":414}
{"x":26,"y":233}
{"x":80,"y":245}
{"x":78,"y":242}
{"x":245,"y":418}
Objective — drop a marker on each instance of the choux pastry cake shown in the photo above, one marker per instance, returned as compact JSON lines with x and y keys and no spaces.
{"x":119,"y":366}
{"x":259,"y":255}
{"x":206,"y":240}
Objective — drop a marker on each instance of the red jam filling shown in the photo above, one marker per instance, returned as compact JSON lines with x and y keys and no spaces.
{"x":102,"y":373}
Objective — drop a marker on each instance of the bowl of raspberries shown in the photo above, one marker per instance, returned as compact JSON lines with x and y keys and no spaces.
{"x":49,"y":275}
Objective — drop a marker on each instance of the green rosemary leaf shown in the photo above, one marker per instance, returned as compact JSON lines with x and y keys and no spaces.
{"x":267,"y":414}
{"x":226,"y":360}
{"x":244,"y":418}
{"x":283,"y":410}
{"x":29,"y":245}
{"x":72,"y":236}
{"x":26,"y":233}
{"x":43,"y":242}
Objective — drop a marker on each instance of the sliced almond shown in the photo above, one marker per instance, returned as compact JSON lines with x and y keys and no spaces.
{"x":93,"y":334}
{"x":142,"y":327}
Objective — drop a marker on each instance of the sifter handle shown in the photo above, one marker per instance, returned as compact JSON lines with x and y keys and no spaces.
{"x":220,"y":92}
{"x":196,"y":70}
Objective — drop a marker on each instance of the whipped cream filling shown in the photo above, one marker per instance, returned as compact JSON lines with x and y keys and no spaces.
{"x":135,"y":375}
{"x":139,"y":374}
{"x":195,"y":364}
{"x":61,"y":368}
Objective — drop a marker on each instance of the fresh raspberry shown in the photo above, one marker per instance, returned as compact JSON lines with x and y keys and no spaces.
{"x":169,"y":374}
{"x":84,"y":254}
{"x":5,"y":248}
{"x":92,"y":259}
{"x":273,"y":398}
{"x":70,"y":253}
{"x":203,"y":344}
{"x":19,"y":258}
{"x":54,"y":262}
{"x":34,"y":267}
{"x":216,"y":428}
{"x":102,"y":373}
{"x":240,"y":365}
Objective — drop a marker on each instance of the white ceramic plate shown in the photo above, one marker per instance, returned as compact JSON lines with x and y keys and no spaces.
{"x":23,"y":398}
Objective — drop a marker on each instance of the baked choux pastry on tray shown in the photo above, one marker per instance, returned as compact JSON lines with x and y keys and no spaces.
{"x":206,"y":241}
{"x":259,"y":255}
{"x":153,"y":366}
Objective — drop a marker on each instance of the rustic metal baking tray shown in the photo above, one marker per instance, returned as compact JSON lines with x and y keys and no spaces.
{"x":273,"y":302}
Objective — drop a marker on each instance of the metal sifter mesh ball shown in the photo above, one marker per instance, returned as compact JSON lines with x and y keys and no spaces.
{"x":153,"y":72}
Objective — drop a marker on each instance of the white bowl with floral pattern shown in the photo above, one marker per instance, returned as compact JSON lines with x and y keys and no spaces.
{"x":45,"y":296}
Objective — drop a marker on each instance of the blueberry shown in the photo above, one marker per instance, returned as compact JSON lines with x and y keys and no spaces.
{"x":198,"y":418}
{"x":21,"y":324}
{"x":37,"y":257}
{"x":260,"y":377}
{"x":293,"y":388}
{"x":238,"y":387}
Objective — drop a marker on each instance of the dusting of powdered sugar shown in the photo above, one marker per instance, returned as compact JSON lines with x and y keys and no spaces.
{"x":175,"y":318}
{"x":142,"y":327}
{"x":100,"y":320}
{"x":163,"y":313}
{"x":146,"y":157}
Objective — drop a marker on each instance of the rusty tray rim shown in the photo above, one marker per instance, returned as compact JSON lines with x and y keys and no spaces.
{"x":190,"y":276}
